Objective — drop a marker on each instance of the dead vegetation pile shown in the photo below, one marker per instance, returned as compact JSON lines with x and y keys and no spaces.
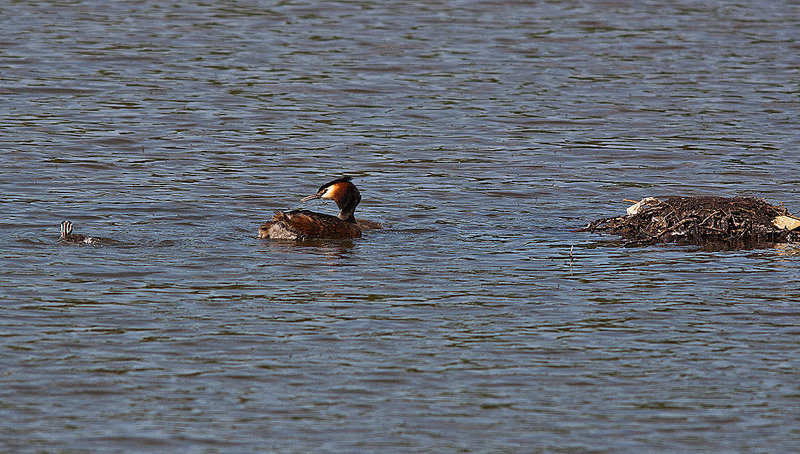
{"x":734,"y":222}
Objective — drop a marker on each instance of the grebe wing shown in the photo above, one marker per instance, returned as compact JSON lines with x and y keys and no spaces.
{"x":308,"y":224}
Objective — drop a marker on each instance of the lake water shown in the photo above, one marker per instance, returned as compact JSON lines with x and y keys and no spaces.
{"x":482,"y":134}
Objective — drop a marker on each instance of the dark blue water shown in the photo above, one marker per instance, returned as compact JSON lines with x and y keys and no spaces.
{"x":482,"y":134}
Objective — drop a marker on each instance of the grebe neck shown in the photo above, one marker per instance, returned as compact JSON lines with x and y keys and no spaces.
{"x":347,"y":203}
{"x":348,"y":215}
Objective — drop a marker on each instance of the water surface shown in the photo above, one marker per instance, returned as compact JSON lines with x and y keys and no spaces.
{"x":482,"y":134}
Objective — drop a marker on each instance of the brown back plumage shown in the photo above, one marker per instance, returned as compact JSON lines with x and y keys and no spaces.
{"x":304,"y":225}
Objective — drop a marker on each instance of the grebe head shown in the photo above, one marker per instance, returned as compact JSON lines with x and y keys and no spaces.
{"x":341,"y":191}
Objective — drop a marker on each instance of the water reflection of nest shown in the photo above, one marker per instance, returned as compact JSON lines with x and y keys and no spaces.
{"x":735,"y":222}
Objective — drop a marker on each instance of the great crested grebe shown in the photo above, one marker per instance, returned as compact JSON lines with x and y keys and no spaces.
{"x":68,"y":236}
{"x":304,"y":224}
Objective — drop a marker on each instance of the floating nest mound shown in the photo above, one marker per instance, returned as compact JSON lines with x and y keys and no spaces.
{"x":737,"y":222}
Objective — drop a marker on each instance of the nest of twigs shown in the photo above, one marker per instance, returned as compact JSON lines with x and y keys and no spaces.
{"x":736,"y":222}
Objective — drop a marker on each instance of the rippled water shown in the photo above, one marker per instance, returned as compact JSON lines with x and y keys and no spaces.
{"x":482,"y":134}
